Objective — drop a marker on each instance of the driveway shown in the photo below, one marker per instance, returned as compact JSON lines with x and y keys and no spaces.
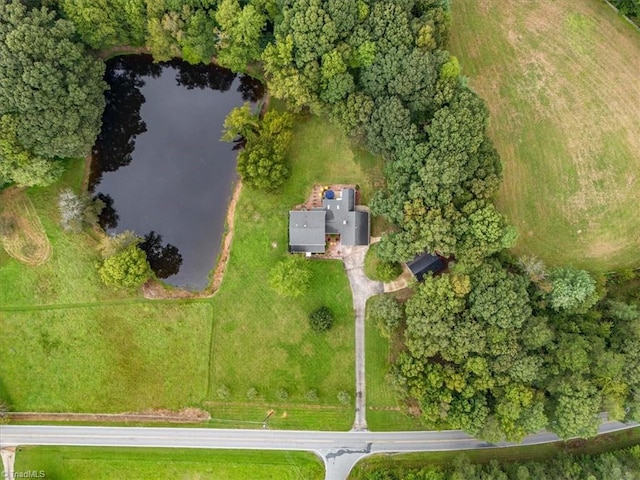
{"x":361,"y":288}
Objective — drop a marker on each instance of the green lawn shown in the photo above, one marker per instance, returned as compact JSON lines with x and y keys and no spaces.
{"x":561,"y":81}
{"x":384,"y":412}
{"x":404,"y":462}
{"x":266,"y":343}
{"x":69,"y":344}
{"x":69,"y":276}
{"x":105,"y":359}
{"x":90,"y":463}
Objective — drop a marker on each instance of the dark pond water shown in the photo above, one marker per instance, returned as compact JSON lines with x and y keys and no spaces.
{"x":159,"y":164}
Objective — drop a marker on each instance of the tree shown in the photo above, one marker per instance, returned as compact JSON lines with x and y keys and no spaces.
{"x":78,"y":211}
{"x":127,"y":269}
{"x":107,"y":23}
{"x":18,"y":165}
{"x":386,"y":312}
{"x":572,"y":289}
{"x":577,"y":405}
{"x":48,"y":82}
{"x":239,"y":34}
{"x":290,"y":277}
{"x":262,"y":162}
{"x":321,"y":319}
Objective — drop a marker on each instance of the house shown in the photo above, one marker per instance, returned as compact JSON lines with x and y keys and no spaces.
{"x":424,"y":263}
{"x":338,"y":215}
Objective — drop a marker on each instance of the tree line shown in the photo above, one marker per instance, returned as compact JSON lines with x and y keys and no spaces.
{"x":617,"y":465}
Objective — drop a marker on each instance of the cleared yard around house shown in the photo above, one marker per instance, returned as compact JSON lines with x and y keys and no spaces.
{"x":264,"y":341}
{"x":72,"y":463}
{"x":68,"y":344}
{"x":561,"y":81}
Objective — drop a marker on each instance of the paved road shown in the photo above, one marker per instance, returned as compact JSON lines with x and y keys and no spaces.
{"x":339,"y":450}
{"x":361,"y":288}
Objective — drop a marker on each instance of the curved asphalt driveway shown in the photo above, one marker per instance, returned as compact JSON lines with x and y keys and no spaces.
{"x":339,"y":450}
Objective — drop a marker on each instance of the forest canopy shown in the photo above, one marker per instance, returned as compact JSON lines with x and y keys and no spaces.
{"x":50,"y":94}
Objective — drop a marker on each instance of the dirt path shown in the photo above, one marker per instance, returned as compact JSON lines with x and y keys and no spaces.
{"x":187,"y":415}
{"x":155,"y":290}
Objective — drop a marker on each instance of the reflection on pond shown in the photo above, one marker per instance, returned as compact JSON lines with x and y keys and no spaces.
{"x":159,"y":165}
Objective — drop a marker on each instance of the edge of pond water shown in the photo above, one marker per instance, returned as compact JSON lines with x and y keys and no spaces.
{"x":156,"y":289}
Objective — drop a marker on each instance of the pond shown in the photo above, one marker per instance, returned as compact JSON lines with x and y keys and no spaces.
{"x":159,"y":164}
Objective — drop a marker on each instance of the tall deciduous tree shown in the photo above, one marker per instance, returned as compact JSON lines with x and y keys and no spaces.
{"x":290,"y":277}
{"x":239,"y":34}
{"x":107,"y":23}
{"x":18,"y":165}
{"x":128,"y":269}
{"x":48,"y":82}
{"x":261,"y":163}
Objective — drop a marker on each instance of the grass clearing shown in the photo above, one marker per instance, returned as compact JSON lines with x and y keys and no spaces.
{"x":384,"y":412}
{"x":106,"y":359}
{"x":561,"y":82}
{"x":77,"y":463}
{"x":70,"y":345}
{"x":266,"y":343}
{"x":23,"y":237}
{"x":69,"y":276}
{"x":408,"y":461}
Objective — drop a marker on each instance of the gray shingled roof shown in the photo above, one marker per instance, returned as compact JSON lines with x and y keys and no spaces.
{"x":425,"y":263}
{"x":339,"y":216}
{"x":306,"y":231}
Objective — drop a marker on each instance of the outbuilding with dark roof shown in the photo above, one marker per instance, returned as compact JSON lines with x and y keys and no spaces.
{"x":424,"y":263}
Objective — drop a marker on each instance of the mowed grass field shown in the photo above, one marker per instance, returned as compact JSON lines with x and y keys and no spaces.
{"x":112,"y":358}
{"x":384,"y":410}
{"x":69,"y":344}
{"x":264,"y":341}
{"x":84,"y":463}
{"x":561,"y":80}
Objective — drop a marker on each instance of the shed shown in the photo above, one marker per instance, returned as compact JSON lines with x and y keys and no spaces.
{"x":425,"y":263}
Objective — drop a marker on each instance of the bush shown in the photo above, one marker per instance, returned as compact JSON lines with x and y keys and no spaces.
{"x":282,"y":394}
{"x":381,"y":270}
{"x":344,"y":397}
{"x":312,"y":395}
{"x":127,"y":269}
{"x":386,"y":312}
{"x":5,"y":409}
{"x":321,"y":319}
{"x":223,"y":392}
{"x":290,"y":277}
{"x":252,"y":393}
